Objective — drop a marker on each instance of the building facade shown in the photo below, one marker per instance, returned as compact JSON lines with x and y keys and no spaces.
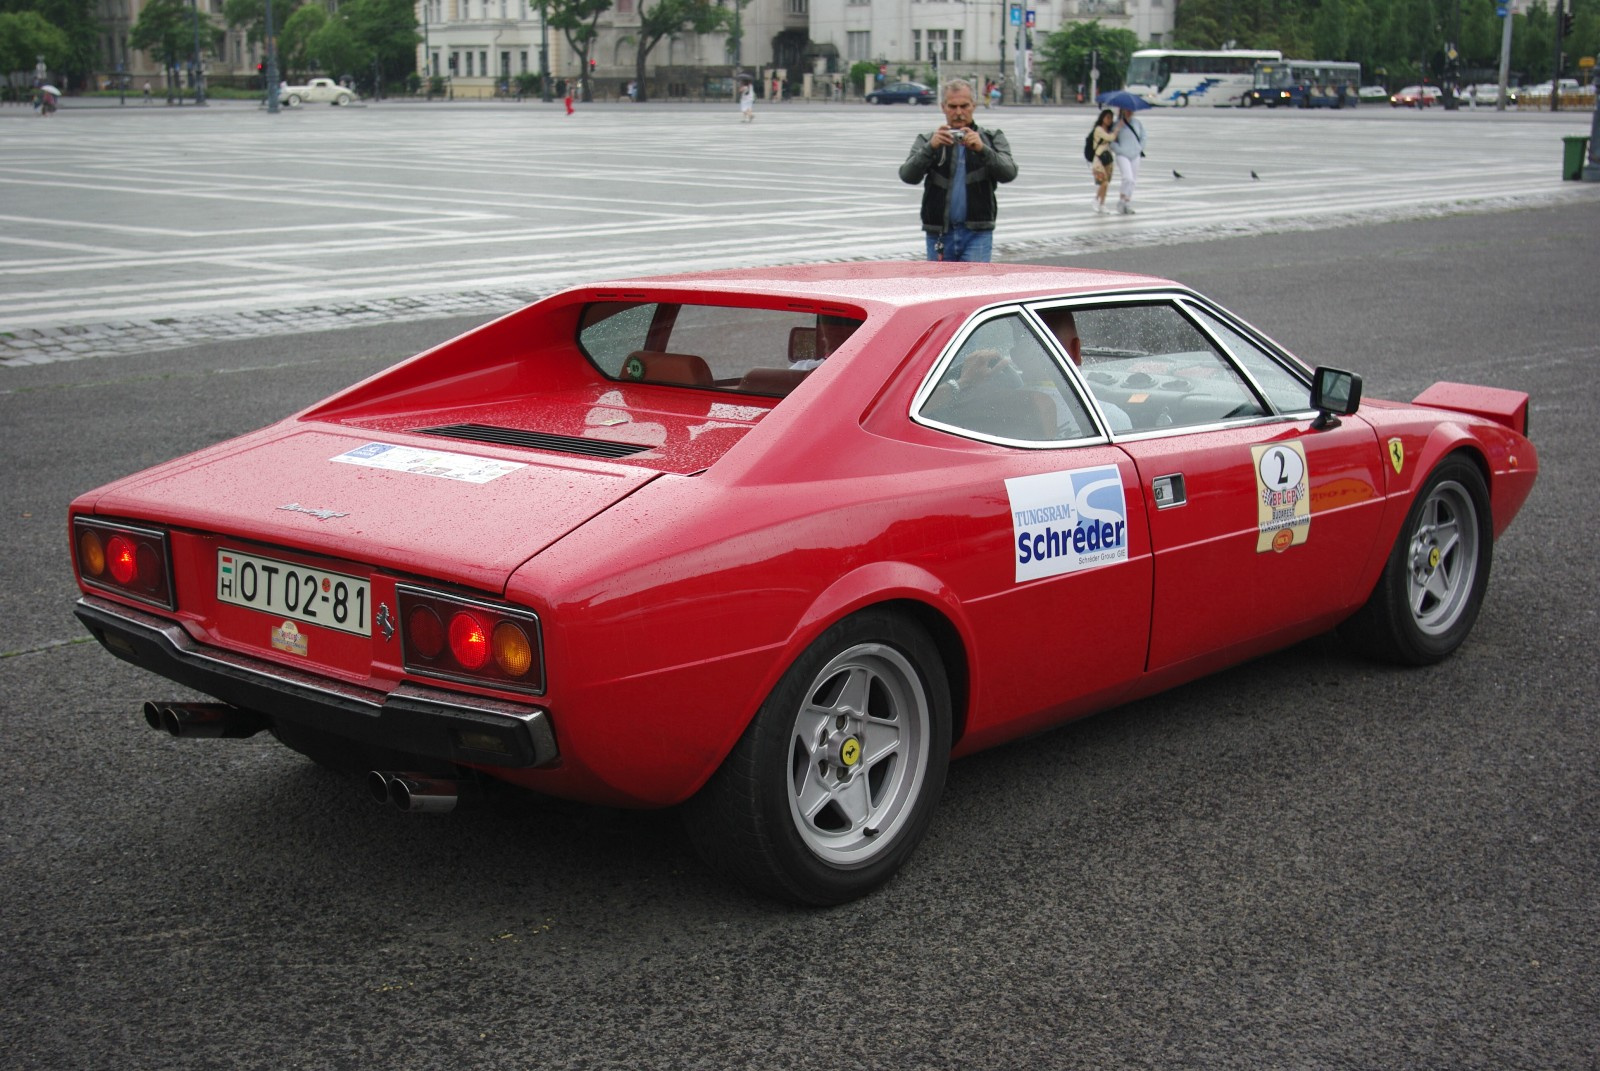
{"x":480,"y":46}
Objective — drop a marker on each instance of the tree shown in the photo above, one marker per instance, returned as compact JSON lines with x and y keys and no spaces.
{"x":666,"y":17}
{"x":73,"y":56}
{"x":294,"y":41}
{"x":578,"y":20}
{"x":169,"y":28}
{"x":387,"y":30}
{"x":1067,"y":53}
{"x":251,"y":16}
{"x":24,"y":37}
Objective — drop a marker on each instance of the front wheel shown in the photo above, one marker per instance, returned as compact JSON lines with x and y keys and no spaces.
{"x":1428,"y":597}
{"x":344,"y":98}
{"x":833,"y":784}
{"x":1183,"y":100}
{"x":294,"y":100}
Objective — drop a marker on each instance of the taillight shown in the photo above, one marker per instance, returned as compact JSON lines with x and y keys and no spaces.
{"x":470,"y":640}
{"x":124,"y":559}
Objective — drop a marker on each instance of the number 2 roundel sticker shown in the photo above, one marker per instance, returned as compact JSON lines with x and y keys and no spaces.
{"x":1283,"y":496}
{"x":1281,"y":468}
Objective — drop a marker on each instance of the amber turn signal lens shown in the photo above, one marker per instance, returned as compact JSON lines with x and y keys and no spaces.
{"x":91,"y":554}
{"x":512,"y":651}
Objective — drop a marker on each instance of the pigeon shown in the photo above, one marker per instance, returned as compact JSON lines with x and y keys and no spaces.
{"x":1254,"y":175}
{"x":1175,"y":173}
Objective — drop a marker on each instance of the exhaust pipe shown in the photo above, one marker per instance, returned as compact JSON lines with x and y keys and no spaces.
{"x":214,"y":720}
{"x":421,"y":793}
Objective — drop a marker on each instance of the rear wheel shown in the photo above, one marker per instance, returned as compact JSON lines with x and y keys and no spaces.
{"x":344,"y":98}
{"x":1428,"y":597}
{"x":294,"y":100}
{"x":832,"y":786}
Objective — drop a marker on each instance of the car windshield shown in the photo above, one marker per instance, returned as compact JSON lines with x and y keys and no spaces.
{"x":713,"y":347}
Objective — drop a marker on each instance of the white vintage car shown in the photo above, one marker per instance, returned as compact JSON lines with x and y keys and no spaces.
{"x":316,"y":91}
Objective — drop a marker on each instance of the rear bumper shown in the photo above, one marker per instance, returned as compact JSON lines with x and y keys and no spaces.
{"x":423,"y":721}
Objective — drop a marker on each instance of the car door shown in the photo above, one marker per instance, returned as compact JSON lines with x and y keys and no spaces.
{"x":1259,"y":518}
{"x":1045,"y":542}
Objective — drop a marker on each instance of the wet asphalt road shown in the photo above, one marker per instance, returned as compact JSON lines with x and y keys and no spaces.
{"x":1308,"y":861}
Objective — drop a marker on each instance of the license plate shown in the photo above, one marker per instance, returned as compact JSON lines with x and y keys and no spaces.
{"x":296,"y":592}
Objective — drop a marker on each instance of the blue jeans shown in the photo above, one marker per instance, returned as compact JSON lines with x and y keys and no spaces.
{"x":973,"y":247}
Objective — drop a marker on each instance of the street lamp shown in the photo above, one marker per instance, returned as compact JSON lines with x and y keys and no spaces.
{"x":195,"y":67}
{"x":272,"y":66}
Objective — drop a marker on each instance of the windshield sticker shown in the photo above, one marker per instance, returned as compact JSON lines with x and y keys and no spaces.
{"x":1283,"y":496}
{"x":1065,"y":521}
{"x":463,"y":467}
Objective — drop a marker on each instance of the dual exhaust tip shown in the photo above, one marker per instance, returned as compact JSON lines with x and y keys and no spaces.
{"x":218,"y":721}
{"x":421,"y":793}
{"x":414,"y":793}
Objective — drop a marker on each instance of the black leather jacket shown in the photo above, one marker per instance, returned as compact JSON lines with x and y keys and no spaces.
{"x":985,"y":170}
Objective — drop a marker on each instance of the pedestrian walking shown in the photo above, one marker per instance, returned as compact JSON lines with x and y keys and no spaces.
{"x":1128,"y":148}
{"x":959,"y":165}
{"x":1101,"y":137}
{"x":147,"y":91}
{"x":567,"y":100}
{"x":747,"y":102}
{"x":995,"y":94}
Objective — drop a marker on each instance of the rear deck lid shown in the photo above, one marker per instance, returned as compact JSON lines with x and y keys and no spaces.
{"x":463,"y":512}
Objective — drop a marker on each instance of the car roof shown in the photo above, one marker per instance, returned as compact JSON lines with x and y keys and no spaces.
{"x":891,"y":283}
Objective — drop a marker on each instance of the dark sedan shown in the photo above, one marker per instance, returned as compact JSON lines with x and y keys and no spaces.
{"x":903,"y":93}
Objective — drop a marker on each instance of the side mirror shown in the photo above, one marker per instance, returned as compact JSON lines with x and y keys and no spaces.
{"x":1334,"y":393}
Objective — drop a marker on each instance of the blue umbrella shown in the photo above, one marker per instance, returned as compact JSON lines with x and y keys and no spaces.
{"x":1121,"y":98}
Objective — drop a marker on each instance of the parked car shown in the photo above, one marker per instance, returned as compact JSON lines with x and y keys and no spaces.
{"x":903,"y":93}
{"x":1416,"y":97}
{"x":1489,"y":93}
{"x":778,"y":543}
{"x":316,"y":91}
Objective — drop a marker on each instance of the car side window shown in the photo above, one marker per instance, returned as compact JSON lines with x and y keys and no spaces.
{"x":1004,"y":383}
{"x":1286,"y":392}
{"x":1152,"y":363}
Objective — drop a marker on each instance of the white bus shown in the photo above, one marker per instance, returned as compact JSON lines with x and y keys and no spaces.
{"x":1173,"y":77}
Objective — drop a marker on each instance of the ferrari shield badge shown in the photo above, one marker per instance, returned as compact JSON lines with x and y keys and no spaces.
{"x":1397,"y":455}
{"x":1283,"y":496}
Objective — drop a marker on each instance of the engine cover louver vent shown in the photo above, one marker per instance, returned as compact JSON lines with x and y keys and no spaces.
{"x":534,"y":440}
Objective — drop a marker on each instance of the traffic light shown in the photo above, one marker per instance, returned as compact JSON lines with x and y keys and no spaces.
{"x":1566,"y":23}
{"x":591,"y":66}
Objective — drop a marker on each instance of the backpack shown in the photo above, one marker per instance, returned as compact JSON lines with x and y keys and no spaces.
{"x":1088,"y":146}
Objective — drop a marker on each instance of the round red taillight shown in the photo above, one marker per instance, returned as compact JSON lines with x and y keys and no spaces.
{"x":123,"y":559}
{"x":512,"y":651}
{"x":469,"y":641}
{"x":425,"y":632}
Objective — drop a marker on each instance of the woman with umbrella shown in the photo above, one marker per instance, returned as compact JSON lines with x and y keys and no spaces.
{"x":48,"y":94}
{"x":1129,"y":143}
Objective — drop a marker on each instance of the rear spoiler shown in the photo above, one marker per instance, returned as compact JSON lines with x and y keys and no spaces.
{"x":1506,"y":407}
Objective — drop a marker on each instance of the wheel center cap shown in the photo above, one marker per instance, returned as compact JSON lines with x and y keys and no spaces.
{"x":1433,"y":558}
{"x":844,"y":751}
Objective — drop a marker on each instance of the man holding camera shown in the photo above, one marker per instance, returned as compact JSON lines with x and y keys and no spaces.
{"x":959,"y":166}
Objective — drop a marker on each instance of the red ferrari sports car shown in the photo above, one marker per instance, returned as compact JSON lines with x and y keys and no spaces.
{"x":777,"y":544}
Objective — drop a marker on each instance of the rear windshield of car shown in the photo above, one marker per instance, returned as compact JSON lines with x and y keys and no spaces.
{"x":710,"y":347}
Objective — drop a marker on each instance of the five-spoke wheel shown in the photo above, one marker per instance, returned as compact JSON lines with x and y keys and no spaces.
{"x":833,"y":784}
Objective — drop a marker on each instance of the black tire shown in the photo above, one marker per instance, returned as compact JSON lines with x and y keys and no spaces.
{"x":833,"y":784}
{"x":294,"y":100}
{"x":1428,"y":597}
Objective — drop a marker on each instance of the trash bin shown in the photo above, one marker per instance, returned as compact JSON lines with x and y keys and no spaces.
{"x":1576,"y":148}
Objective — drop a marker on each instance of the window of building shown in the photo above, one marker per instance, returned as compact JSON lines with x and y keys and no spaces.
{"x":858,"y":44}
{"x":955,"y":44}
{"x":939,"y":44}
{"x":483,"y":64}
{"x":916,"y":46}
